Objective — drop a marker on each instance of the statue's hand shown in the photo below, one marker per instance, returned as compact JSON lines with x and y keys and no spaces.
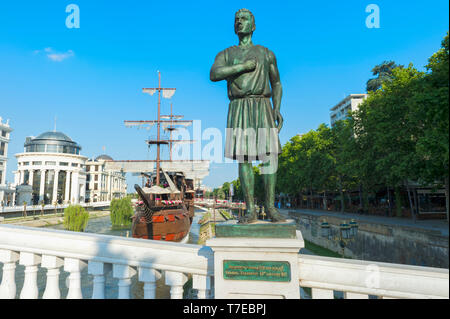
{"x":278,"y":118}
{"x":249,"y":65}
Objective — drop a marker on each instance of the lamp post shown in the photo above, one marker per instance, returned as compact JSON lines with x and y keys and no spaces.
{"x":347,"y":233}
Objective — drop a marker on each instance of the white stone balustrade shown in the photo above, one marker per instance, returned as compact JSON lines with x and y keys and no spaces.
{"x":359,"y":279}
{"x":148,"y":260}
{"x":101,"y":254}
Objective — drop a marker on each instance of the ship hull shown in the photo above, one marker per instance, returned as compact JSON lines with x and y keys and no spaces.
{"x":166,"y":225}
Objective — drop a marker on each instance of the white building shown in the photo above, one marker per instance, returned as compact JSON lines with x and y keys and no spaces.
{"x":350,"y":103}
{"x":52,"y":165}
{"x":6,"y":193}
{"x":102,"y":183}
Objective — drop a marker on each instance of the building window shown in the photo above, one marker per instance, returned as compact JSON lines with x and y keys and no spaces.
{"x":63,"y":163}
{"x":37,"y":163}
{"x":50,"y":163}
{"x":52,"y":148}
{"x":96,"y":168}
{"x":95,"y":187}
{"x":4,"y":133}
{"x":74,"y":164}
{"x":2,"y":148}
{"x":96,"y":178}
{"x":88,"y":168}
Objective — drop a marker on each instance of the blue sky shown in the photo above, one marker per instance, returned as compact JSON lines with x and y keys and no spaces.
{"x":94,"y":81}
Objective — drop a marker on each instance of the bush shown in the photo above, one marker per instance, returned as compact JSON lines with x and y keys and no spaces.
{"x":75,"y":218}
{"x":121,"y":212}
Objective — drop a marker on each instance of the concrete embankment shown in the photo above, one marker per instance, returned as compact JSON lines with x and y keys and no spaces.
{"x":47,"y":220}
{"x":383,"y":240}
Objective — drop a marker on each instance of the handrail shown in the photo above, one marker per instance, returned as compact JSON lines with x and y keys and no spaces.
{"x":185,"y":258}
{"x":373,"y":278}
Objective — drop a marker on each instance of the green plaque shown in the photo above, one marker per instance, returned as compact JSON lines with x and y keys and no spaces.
{"x":257,"y":270}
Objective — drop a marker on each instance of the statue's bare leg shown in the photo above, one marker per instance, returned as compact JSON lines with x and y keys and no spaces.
{"x":247,"y":179}
{"x":269,"y":181}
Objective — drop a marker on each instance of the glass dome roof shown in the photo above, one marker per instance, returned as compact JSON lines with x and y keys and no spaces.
{"x":52,"y":142}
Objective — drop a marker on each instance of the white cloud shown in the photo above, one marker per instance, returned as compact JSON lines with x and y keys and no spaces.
{"x":55,"y":56}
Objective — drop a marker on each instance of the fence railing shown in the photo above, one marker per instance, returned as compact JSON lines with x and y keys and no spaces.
{"x":124,"y":258}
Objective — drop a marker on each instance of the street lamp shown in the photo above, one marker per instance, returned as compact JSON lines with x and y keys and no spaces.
{"x":353,"y":228}
{"x":325,"y":229}
{"x":347,"y":233}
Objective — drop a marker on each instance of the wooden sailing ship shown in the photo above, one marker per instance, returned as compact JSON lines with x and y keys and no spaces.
{"x":166,"y":207}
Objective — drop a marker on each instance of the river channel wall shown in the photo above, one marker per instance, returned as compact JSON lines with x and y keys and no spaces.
{"x":379,"y":242}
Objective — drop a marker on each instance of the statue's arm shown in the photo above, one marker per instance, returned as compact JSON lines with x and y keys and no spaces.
{"x":277,"y":89}
{"x":220,"y":71}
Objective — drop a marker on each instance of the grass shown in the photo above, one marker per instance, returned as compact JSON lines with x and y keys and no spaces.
{"x":321,"y":251}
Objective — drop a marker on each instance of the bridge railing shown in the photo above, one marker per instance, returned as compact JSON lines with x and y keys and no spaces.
{"x":125,"y":257}
{"x":358,"y":279}
{"x":49,"y":207}
{"x":149,"y":260}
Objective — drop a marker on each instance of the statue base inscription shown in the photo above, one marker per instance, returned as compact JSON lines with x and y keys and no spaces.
{"x":257,"y":270}
{"x":256,"y":267}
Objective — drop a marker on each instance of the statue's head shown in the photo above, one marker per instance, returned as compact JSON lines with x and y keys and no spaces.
{"x":244,"y":22}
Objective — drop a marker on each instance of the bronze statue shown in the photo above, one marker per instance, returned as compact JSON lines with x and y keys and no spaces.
{"x":252,"y":133}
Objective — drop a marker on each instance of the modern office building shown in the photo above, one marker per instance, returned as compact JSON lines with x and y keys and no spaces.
{"x":51,"y":163}
{"x":6,"y":192}
{"x":103,"y":184}
{"x":350,"y":103}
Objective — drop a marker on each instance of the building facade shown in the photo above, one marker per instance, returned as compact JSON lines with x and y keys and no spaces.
{"x":102,"y":183}
{"x":350,"y":103}
{"x":52,"y":165}
{"x":6,"y":194}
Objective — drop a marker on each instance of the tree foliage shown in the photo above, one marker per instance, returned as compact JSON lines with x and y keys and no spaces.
{"x":75,"y":218}
{"x":121,"y":212}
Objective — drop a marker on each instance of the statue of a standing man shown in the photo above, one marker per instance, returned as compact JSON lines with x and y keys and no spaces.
{"x":253,"y":125}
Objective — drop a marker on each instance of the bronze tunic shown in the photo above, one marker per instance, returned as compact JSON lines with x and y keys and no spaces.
{"x":251,"y":130}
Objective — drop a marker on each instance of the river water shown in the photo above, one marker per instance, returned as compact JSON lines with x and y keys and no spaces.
{"x":102,"y":225}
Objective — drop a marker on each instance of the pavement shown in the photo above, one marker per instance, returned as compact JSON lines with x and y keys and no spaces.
{"x":430,"y":224}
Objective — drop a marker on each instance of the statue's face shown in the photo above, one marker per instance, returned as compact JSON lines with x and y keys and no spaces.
{"x":243,"y":23}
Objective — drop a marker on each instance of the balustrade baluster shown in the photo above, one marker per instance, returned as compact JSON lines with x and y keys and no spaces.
{"x":175,"y":280}
{"x":149,"y":276}
{"x":318,"y":293}
{"x":98,"y":270}
{"x":124,"y":274}
{"x":52,"y":263}
{"x":74,"y":267}
{"x":30,"y":288}
{"x":352,"y":295}
{"x":8,"y":285}
{"x":202,"y":284}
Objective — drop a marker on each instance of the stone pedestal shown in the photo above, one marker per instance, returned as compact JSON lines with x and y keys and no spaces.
{"x":257,"y":261}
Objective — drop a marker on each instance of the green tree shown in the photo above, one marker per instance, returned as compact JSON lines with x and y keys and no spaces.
{"x":121,"y":211}
{"x":75,"y":218}
{"x":431,"y":113}
{"x":383,"y":72}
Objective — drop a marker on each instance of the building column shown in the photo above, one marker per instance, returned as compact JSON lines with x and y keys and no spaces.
{"x":67,"y":187}
{"x":42,"y":185}
{"x":75,"y":193}
{"x":55,"y":187}
{"x":30,"y":178}
{"x":21,"y":178}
